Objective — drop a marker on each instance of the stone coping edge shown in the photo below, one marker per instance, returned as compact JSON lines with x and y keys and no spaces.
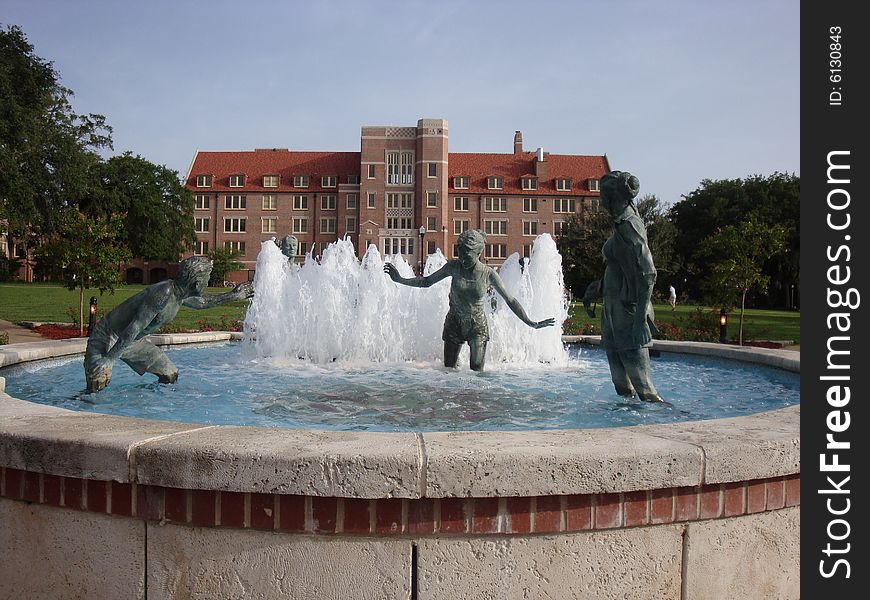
{"x":402,"y":516}
{"x":54,"y":441}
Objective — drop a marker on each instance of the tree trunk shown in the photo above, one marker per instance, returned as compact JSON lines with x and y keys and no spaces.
{"x":742,"y":310}
{"x":81,"y":311}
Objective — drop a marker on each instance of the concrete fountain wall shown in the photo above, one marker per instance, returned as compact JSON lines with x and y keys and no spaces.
{"x":99,"y":506}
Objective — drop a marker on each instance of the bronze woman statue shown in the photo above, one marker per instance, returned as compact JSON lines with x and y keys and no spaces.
{"x":466,"y":321}
{"x":627,"y":316}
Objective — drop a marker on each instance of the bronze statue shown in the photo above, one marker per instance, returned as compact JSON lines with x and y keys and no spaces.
{"x":627,"y":315}
{"x":288,"y":247}
{"x":466,"y":321}
{"x":119,"y":335}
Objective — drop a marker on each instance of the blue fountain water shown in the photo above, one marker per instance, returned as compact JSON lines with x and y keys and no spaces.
{"x":221,"y":384}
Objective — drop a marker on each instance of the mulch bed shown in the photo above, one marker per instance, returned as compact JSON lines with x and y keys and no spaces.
{"x":57,"y":332}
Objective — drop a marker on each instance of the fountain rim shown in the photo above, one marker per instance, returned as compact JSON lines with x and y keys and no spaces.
{"x":55,"y":441}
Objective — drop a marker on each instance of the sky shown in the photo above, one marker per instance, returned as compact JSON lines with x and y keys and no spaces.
{"x":675,"y":92}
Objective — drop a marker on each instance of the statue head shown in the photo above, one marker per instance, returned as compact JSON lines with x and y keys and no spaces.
{"x":469,"y":245}
{"x":289,"y":245}
{"x":618,"y":189}
{"x":193,"y":274}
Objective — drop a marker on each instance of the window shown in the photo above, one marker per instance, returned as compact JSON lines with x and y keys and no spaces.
{"x":460,"y":204}
{"x":407,"y":167}
{"x":270,"y":181}
{"x":494,"y":183}
{"x":527,"y":250}
{"x":353,"y":179}
{"x":530,"y":205}
{"x":200,"y":248}
{"x":237,"y":246}
{"x":400,"y":168}
{"x":329,"y":181}
{"x":300,"y":202}
{"x":351,"y":201}
{"x":203,"y":181}
{"x":300,"y":181}
{"x":371,"y":172}
{"x":235,"y":202}
{"x":234,"y":225}
{"x":460,"y":225}
{"x":404,"y":200}
{"x":302,"y":249}
{"x":373,"y":197}
{"x":350,"y":225}
{"x":269,"y":224}
{"x":399,"y":223}
{"x":202,"y":201}
{"x":392,"y":167}
{"x":398,"y":245}
{"x":300,"y":224}
{"x":200,"y":225}
{"x":530,"y":228}
{"x":327,"y":225}
{"x":237,"y":180}
{"x":270,"y":202}
{"x":433,"y":170}
{"x":563,"y":205}
{"x":327,"y":202}
{"x":19,"y":251}
{"x":593,"y":185}
{"x":496,"y":251}
{"x":494,"y":204}
{"x":431,"y":200}
{"x":431,"y":224}
{"x":558,"y":227}
{"x":563,"y":184}
{"x":495,"y":227}
{"x":430,"y":247}
{"x":460,"y":183}
{"x":530,"y":183}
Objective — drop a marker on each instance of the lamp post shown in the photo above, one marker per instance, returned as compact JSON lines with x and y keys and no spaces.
{"x":723,"y":325}
{"x":422,"y":232}
{"x":92,"y":317}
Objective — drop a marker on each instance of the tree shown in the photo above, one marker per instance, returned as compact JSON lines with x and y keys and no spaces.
{"x":774,"y":200}
{"x":580,"y":243}
{"x":660,"y":233}
{"x":736,"y":255}
{"x":157,"y":209}
{"x":223,"y":260}
{"x":82,"y":253}
{"x":46,"y":149}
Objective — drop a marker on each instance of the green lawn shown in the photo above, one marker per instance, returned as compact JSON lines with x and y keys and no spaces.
{"x":52,"y":303}
{"x":758,"y":324}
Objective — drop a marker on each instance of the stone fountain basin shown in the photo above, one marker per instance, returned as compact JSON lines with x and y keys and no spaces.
{"x":680,"y":506}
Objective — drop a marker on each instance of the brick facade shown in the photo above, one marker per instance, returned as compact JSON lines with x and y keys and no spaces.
{"x":402,"y":179}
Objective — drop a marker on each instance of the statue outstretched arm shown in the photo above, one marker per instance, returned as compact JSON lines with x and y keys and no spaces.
{"x":242,"y":291}
{"x":515,"y":305}
{"x":420,"y":282}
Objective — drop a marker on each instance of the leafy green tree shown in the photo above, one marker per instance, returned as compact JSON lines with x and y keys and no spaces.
{"x":774,"y":200}
{"x":736,"y":256}
{"x":660,"y":233}
{"x":223,"y":260}
{"x":47,"y":151}
{"x":580,"y":243}
{"x":157,"y":209}
{"x":83,"y":253}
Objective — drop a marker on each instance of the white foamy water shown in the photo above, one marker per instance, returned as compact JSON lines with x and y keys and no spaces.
{"x":344,"y":309}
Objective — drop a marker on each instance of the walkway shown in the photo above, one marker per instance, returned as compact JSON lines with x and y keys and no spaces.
{"x":18,"y":334}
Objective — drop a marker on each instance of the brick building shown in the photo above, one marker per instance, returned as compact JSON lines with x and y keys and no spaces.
{"x":402,"y":182}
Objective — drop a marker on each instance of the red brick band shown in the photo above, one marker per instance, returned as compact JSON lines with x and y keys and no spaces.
{"x":399,"y":516}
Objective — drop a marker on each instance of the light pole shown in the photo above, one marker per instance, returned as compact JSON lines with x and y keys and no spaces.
{"x":422,"y":233}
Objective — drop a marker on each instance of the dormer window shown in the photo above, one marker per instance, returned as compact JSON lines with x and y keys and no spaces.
{"x":203,"y":181}
{"x":563,"y":184}
{"x":270,"y":181}
{"x":460,"y":183}
{"x":237,"y":180}
{"x":329,"y":181}
{"x":530,"y":183}
{"x":494,"y":183}
{"x":593,"y":185}
{"x":300,"y":181}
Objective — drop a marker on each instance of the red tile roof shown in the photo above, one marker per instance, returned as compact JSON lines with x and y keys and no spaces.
{"x":283,"y":163}
{"x":512,"y":167}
